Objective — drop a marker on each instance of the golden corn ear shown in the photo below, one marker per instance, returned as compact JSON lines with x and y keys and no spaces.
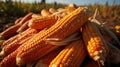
{"x":9,"y":61}
{"x":18,"y":20}
{"x":52,"y":10}
{"x":71,"y":56}
{"x":17,"y":42}
{"x":1,"y":42}
{"x":45,"y":12}
{"x":9,"y":41}
{"x":36,"y":16}
{"x":26,"y":18}
{"x":117,"y":30}
{"x":36,"y":47}
{"x":44,"y":22}
{"x":9,"y":31}
{"x":23,"y":27}
{"x":96,"y":46}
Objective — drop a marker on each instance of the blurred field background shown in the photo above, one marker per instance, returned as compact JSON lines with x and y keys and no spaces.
{"x":11,"y":10}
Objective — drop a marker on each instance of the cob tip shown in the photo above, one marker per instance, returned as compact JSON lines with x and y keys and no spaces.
{"x":1,"y":37}
{"x":101,"y":63}
{"x":2,"y":54}
{"x":99,"y":57}
{"x":19,"y":61}
{"x":1,"y":42}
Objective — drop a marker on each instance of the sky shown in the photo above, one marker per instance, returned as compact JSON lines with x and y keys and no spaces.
{"x":83,"y":2}
{"x":78,"y":2}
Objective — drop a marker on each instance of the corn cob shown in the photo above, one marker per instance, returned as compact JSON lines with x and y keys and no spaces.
{"x":117,"y":30}
{"x":60,"y":9}
{"x":36,"y":16}
{"x":23,"y":27}
{"x":72,"y":5}
{"x":14,"y":38}
{"x":60,"y":14}
{"x":42,"y":22}
{"x":16,"y":43}
{"x":9,"y":40}
{"x":71,"y":56}
{"x":52,"y":10}
{"x":36,"y":47}
{"x":9,"y":32}
{"x":94,"y":42}
{"x":26,"y":18}
{"x":45,"y":12}
{"x":70,"y":9}
{"x":10,"y":60}
{"x":1,"y":42}
{"x":26,"y":39}
{"x":18,"y":20}
{"x":45,"y":60}
{"x":117,"y":27}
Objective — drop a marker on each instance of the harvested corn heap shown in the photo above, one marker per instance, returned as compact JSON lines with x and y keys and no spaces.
{"x":53,"y":40}
{"x":36,"y":47}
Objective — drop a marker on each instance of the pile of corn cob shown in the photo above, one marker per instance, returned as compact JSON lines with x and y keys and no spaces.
{"x":58,"y":38}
